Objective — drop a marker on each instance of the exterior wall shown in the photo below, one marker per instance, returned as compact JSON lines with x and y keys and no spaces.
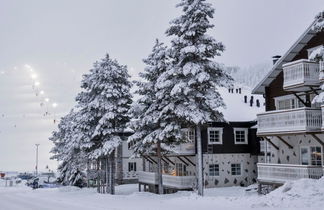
{"x":228,"y":146}
{"x":248,"y":170}
{"x":286,"y":155}
{"x":129,"y":176}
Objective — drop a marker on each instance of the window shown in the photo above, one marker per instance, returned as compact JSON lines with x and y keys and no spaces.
{"x":316,"y":156}
{"x":131,"y":166}
{"x":236,"y":169}
{"x":181,"y":169}
{"x":130,"y":145}
{"x":213,"y":170}
{"x":191,"y":135}
{"x":311,"y":155}
{"x":215,"y":135}
{"x":241,"y":135}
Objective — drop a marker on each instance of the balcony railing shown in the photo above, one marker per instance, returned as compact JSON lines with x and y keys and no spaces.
{"x":177,"y":182}
{"x":321,"y":75}
{"x":301,"y":120}
{"x":300,"y":73}
{"x":280,"y":173}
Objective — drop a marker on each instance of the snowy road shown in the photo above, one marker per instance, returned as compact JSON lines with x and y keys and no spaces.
{"x":305,"y":194}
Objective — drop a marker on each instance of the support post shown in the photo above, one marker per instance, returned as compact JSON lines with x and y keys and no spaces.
{"x":159,"y":168}
{"x":199,"y":162}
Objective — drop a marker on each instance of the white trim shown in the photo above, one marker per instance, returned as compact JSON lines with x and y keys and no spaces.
{"x":220,"y":130}
{"x":246,"y":131}
{"x":241,"y":170}
{"x":209,"y":169}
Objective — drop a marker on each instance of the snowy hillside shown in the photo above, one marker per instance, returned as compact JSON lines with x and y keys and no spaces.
{"x":236,"y":108}
{"x":303,"y":194}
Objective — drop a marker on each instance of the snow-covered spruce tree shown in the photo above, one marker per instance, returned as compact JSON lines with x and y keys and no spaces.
{"x":189,"y":87}
{"x":67,"y":151}
{"x":146,"y":110}
{"x":104,"y":103}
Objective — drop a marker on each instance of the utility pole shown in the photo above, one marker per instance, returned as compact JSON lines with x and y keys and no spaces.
{"x":37,"y":145}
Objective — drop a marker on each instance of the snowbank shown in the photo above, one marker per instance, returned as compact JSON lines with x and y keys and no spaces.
{"x":302,"y":194}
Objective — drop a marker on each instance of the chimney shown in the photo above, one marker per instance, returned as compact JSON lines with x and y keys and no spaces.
{"x":275,"y":59}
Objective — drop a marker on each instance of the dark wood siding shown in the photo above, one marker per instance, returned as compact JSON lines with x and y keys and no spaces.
{"x":275,"y":89}
{"x":229,"y":146}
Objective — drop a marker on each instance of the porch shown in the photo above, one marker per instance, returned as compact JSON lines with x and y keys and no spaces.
{"x":280,"y":173}
{"x":300,"y":120}
{"x":300,"y":75}
{"x":169,"y":181}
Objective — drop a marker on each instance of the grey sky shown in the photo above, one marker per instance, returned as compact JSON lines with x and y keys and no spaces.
{"x":61,"y":39}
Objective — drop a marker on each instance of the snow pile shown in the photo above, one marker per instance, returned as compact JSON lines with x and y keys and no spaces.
{"x":304,"y":193}
{"x":236,"y":110}
{"x":319,"y":25}
{"x":317,"y":54}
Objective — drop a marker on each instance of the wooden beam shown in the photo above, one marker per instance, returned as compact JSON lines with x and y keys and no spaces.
{"x":169,"y":160}
{"x":317,"y":139}
{"x":182,"y":161}
{"x":285,"y":142}
{"x":187,"y":159}
{"x":268,"y":140}
{"x":313,"y":90}
{"x":164,"y":160}
{"x":147,"y":159}
{"x":301,"y":100}
{"x":151,"y":159}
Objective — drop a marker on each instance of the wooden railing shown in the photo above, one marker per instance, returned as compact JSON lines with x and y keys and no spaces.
{"x":185,"y":148}
{"x":178,"y":182}
{"x":284,"y":172}
{"x":290,"y":121}
{"x":321,"y":68}
{"x":300,"y":73}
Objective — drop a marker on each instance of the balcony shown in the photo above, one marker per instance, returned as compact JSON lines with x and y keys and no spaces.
{"x":177,"y":182}
{"x":280,"y":173}
{"x":321,"y":74}
{"x":300,"y":75}
{"x":301,"y":120}
{"x":184,"y":149}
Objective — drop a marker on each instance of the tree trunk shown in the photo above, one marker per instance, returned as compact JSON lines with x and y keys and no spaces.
{"x":111,"y":183}
{"x":98,"y":177}
{"x":159,"y":168}
{"x":107,"y":172}
{"x":199,"y":162}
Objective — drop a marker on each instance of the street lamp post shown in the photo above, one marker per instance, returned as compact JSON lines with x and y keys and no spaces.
{"x":36,"y":159}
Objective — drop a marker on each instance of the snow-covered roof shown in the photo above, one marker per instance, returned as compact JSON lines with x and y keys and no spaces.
{"x":287,"y":57}
{"x":238,"y":111}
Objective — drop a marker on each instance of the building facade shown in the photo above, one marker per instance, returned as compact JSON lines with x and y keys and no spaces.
{"x":292,"y":126}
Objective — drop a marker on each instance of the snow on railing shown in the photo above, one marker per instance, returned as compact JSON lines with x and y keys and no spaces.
{"x":287,"y":172}
{"x":178,"y":182}
{"x":290,"y":121}
{"x":300,"y":72}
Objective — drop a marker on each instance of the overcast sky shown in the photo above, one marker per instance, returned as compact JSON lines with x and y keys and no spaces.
{"x":61,"y":39}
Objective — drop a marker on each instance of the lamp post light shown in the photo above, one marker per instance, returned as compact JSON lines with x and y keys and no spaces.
{"x":37,"y":145}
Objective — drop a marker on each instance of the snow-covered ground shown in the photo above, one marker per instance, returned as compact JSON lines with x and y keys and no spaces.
{"x":302,"y":194}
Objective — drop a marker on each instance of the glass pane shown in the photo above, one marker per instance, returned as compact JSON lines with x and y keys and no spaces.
{"x":304,"y":155}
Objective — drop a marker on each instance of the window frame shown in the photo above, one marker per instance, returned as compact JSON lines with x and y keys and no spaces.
{"x":132,"y":165}
{"x":220,"y":133}
{"x":209,"y":170}
{"x":246,"y":132}
{"x":240,"y":164}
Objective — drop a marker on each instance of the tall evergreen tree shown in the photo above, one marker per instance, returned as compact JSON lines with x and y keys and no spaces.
{"x":67,"y":150}
{"x":189,"y":87}
{"x":104,"y":103}
{"x":146,"y":110}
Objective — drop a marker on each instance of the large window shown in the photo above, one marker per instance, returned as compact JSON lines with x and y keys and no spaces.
{"x":181,"y":169}
{"x":215,"y":135}
{"x":316,"y":156}
{"x":213,"y":170}
{"x":236,"y":169}
{"x":132,"y":166}
{"x":241,"y":135}
{"x":311,"y":155}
